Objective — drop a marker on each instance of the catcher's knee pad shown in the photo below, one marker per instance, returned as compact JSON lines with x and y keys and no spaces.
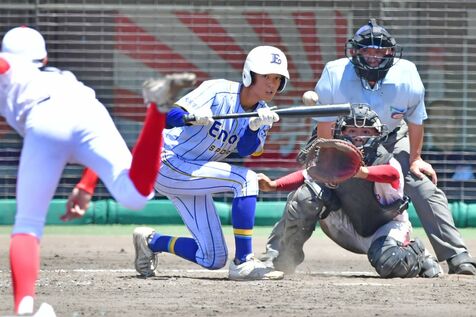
{"x":305,"y":205}
{"x":391,"y":259}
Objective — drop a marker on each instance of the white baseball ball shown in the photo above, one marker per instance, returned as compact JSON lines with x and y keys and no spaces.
{"x":310,"y":98}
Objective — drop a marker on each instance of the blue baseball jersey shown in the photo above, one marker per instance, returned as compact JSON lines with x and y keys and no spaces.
{"x":216,"y":141}
{"x":400,"y":97}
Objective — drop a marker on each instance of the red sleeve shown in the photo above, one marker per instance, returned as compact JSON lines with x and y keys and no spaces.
{"x":4,"y":66}
{"x":88,"y":181}
{"x":290,"y":182}
{"x":384,"y":174}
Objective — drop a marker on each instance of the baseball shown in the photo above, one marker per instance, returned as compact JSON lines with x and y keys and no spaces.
{"x":310,"y":98}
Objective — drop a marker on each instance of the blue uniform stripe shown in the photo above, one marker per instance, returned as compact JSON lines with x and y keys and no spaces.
{"x":184,"y":206}
{"x":211,"y":235}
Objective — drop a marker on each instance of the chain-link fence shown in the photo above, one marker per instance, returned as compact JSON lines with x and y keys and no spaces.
{"x":113,"y":45}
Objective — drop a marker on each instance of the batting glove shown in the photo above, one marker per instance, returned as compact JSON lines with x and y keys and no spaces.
{"x":162,"y":92}
{"x":265,"y":117}
{"x":202,"y":121}
{"x":202,"y":116}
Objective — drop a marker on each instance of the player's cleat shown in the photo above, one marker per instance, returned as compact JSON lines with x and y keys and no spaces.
{"x":145,"y":260}
{"x":462,"y":264}
{"x":252,"y":269}
{"x":162,"y":92}
{"x":45,"y":310}
{"x":26,"y":309}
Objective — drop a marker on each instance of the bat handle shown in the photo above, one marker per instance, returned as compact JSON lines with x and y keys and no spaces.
{"x":187,"y":118}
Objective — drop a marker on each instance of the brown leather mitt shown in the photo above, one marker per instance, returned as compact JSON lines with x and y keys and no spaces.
{"x":333,"y":161}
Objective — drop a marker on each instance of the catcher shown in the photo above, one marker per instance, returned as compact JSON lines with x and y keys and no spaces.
{"x":354,"y":188}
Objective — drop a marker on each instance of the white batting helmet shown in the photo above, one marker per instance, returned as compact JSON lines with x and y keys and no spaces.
{"x":266,"y":60}
{"x":26,"y":42}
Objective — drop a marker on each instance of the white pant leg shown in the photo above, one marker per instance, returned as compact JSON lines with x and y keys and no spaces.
{"x":179,"y":177}
{"x":338,"y":227}
{"x":47,"y":146}
{"x":202,"y":220}
{"x":60,"y":131}
{"x":101,"y":147}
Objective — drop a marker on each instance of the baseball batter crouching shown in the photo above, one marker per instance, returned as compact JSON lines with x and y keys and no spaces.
{"x":365,"y":214}
{"x":192,"y":169}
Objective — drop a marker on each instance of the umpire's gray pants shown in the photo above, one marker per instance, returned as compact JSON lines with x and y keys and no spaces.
{"x":429,"y":201}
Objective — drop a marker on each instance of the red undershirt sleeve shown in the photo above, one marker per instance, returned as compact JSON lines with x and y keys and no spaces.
{"x":384,"y":174}
{"x":290,"y":182}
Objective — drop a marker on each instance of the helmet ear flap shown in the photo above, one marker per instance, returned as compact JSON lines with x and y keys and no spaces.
{"x":283,"y":83}
{"x":247,"y":78}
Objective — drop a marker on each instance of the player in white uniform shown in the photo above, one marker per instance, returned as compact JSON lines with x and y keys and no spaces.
{"x":374,"y":73}
{"x":366,"y":214}
{"x":62,"y":122}
{"x":192,"y":169}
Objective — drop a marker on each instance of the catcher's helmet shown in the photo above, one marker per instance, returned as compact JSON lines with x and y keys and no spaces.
{"x":26,"y":42}
{"x":374,"y":36}
{"x":362,"y":116}
{"x":266,"y":60}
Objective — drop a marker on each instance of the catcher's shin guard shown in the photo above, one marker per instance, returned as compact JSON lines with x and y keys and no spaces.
{"x":303,"y":209}
{"x":391,"y":259}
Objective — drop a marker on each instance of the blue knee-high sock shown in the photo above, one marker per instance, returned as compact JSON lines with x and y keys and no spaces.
{"x":183,"y":247}
{"x":243,"y":219}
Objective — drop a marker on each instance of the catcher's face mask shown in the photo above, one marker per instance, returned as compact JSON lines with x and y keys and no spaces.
{"x":359,"y":136}
{"x":372,"y":51}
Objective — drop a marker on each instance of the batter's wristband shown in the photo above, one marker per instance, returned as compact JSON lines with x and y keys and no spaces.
{"x":88,"y":181}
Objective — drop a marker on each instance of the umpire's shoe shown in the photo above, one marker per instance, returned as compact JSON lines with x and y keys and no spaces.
{"x":252,"y":269}
{"x":145,"y":260}
{"x":462,"y":264}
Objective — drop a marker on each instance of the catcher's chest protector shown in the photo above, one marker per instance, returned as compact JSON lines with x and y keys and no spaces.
{"x":359,"y":203}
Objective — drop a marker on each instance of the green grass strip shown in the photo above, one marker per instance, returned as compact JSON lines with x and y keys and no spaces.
{"x":178,"y":230}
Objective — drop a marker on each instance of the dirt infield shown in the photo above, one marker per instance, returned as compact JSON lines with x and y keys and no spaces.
{"x":94,"y":276}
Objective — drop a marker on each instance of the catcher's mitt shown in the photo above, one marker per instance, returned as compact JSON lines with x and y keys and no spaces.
{"x":333,"y":161}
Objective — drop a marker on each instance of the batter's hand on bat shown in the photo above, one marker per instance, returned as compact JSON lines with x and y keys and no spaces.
{"x":77,"y":204}
{"x":266,"y":116}
{"x":420,"y":169}
{"x":265,"y":183}
{"x":202,"y":121}
{"x":203,"y":117}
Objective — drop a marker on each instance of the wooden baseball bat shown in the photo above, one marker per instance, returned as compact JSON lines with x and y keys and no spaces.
{"x":302,"y":111}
